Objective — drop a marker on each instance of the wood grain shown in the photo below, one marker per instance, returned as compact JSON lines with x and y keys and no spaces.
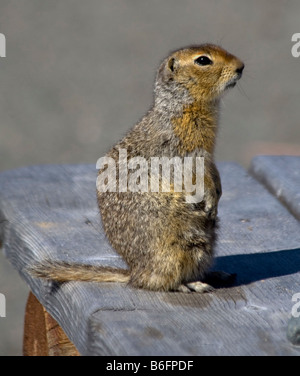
{"x":281,"y":175}
{"x":42,"y":334}
{"x":51,"y":212}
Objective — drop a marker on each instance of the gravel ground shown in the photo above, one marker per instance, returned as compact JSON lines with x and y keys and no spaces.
{"x":78,"y":74}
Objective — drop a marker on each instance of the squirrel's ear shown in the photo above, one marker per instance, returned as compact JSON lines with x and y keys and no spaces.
{"x":171,"y":64}
{"x":168,"y":69}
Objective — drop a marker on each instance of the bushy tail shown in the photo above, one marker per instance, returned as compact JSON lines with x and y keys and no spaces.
{"x":63,"y":271}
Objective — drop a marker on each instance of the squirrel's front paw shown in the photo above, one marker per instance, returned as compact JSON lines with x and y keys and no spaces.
{"x":211,"y":205}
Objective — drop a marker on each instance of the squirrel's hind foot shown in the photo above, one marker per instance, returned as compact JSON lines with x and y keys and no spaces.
{"x":212,"y":280}
{"x":197,"y":286}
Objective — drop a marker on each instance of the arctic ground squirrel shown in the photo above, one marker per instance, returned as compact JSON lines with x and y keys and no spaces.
{"x":166,"y":237}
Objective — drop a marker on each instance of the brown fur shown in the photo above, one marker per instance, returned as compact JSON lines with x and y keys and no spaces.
{"x":166,"y":241}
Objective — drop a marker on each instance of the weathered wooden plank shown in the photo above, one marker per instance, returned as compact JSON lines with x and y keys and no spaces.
{"x":281,"y":175}
{"x":248,"y":319}
{"x":35,"y":336}
{"x":51,"y":211}
{"x":42,"y":335}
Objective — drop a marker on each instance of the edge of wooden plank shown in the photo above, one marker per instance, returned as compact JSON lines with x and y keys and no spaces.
{"x":269,"y":171}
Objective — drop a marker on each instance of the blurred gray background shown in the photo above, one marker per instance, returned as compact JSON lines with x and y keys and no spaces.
{"x":78,"y":74}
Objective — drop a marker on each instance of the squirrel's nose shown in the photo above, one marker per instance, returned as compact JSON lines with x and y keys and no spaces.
{"x":240,"y":69}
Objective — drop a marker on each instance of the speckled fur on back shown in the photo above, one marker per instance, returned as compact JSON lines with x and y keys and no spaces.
{"x":164,"y":240}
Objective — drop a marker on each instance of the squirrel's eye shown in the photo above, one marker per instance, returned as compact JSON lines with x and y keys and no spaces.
{"x":203,"y":60}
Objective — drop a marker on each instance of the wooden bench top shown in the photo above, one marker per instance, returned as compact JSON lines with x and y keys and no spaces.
{"x":51,"y":212}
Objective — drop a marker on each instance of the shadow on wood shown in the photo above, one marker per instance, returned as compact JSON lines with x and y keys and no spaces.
{"x":260,"y":266}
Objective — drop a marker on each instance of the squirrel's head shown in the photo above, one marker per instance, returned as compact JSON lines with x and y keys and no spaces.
{"x":203,"y":71}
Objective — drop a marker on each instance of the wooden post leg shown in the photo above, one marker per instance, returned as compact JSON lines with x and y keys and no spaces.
{"x":42,"y":334}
